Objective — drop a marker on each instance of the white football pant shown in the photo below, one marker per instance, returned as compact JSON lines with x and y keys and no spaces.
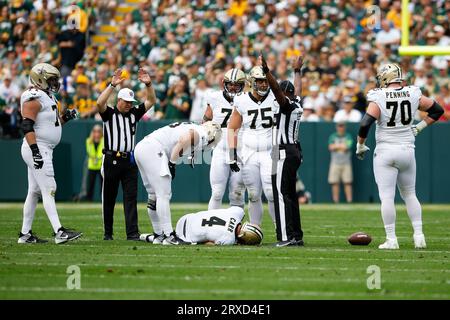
{"x":257,"y":177}
{"x":396,"y":165}
{"x":219,"y":173}
{"x":40,"y":182}
{"x":153,"y":166}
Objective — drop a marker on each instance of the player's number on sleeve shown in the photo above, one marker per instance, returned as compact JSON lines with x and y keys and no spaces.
{"x":264,"y":117}
{"x":228,"y":115}
{"x":405,"y":112}
{"x":213,"y":221}
{"x":55,"y":108}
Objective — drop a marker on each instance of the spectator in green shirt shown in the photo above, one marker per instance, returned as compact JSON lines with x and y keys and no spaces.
{"x":178,"y":106}
{"x":340,"y":145}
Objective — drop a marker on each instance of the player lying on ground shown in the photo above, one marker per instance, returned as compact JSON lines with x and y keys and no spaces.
{"x":219,"y":107}
{"x":156,"y":156}
{"x":218,"y":226}
{"x":393,"y":106}
{"x":42,"y":129}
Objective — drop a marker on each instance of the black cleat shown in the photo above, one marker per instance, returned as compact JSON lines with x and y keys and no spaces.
{"x":108,"y":237}
{"x":64,"y":235}
{"x":173,"y":239}
{"x":289,"y":243}
{"x":134,"y":237}
{"x":29,"y":238}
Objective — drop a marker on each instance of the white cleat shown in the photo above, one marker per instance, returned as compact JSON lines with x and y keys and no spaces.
{"x":389,"y":244}
{"x":419,"y":241}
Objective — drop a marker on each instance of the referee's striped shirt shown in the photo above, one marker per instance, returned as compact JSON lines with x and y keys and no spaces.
{"x":287,"y":122}
{"x":119,"y":129}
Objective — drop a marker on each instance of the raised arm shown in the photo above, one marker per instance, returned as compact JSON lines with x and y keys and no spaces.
{"x":298,"y":76}
{"x":103,"y":98}
{"x":144,"y":77}
{"x":279,"y":95}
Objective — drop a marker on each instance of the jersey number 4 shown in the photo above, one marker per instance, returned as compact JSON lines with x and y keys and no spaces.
{"x":213,"y":221}
{"x":405,"y":110}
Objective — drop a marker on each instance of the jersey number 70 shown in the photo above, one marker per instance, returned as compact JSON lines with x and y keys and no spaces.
{"x":405,"y":110}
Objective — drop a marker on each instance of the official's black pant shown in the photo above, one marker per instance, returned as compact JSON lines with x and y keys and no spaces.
{"x":91,"y":178}
{"x":120,"y":170}
{"x":287,"y":160}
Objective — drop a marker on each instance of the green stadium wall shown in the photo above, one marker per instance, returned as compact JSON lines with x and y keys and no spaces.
{"x":192,"y":185}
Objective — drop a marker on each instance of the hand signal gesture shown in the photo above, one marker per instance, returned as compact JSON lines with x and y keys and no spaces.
{"x":299,"y":63}
{"x":144,"y":77}
{"x":117,"y":77}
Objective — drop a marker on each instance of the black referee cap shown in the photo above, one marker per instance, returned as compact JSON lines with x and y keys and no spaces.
{"x":287,"y":86}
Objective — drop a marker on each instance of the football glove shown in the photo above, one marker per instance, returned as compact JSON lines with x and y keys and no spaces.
{"x":70,"y":114}
{"x":172,"y":169}
{"x":417,"y":128}
{"x":361,"y":149}
{"x":234,"y":166}
{"x":37,"y":157}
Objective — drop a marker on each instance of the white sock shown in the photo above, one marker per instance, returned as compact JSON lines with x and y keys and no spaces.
{"x":272,"y":211}
{"x":414,"y":212}
{"x":390,"y":231}
{"x":50,"y":208}
{"x":154,"y":219}
{"x":214,"y":203}
{"x":29,"y":210}
{"x":255,"y":211}
{"x":388,"y":214}
{"x":164,"y":215}
{"x":417,"y":226}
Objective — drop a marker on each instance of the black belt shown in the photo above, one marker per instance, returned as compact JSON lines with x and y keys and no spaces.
{"x":117,"y":154}
{"x":289,"y":145}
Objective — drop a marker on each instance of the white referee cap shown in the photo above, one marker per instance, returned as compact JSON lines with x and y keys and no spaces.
{"x":126,"y":94}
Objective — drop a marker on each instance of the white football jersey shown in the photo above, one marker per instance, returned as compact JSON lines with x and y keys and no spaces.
{"x":221,"y":109}
{"x":47,"y":125}
{"x":217,"y":225}
{"x":397,"y":107}
{"x":169,"y":135}
{"x":257,"y":120}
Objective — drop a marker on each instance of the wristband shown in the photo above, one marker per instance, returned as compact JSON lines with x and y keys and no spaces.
{"x":421,"y":125}
{"x":34,"y":148}
{"x":265,"y":69}
{"x":297,"y":70}
{"x":112,"y":85}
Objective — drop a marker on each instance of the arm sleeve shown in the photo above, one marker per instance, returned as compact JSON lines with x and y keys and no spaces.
{"x":107,"y":115}
{"x":365,"y":124}
{"x":139,"y":111}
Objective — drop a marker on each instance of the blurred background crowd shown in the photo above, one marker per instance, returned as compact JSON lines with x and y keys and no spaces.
{"x":187,"y":46}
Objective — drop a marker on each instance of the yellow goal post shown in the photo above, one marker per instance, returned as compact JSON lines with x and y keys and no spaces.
{"x":406,"y":50}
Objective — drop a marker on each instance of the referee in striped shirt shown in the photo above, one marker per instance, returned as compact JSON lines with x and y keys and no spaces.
{"x":119,"y":131}
{"x":286,"y":155}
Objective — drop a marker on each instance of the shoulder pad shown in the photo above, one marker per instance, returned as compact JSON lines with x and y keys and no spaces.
{"x":31,"y":94}
{"x":373,"y":94}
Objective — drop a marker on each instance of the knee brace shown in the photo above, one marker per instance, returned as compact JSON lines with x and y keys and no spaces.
{"x":151,"y":202}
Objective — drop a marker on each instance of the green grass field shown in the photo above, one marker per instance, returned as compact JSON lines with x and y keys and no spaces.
{"x":326,"y":268}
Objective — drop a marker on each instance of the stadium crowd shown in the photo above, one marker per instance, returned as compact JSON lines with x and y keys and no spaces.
{"x":187,"y":46}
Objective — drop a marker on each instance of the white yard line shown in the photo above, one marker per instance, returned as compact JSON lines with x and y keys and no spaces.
{"x":152,"y":265}
{"x":177,"y":256}
{"x":188,"y":278}
{"x":279,"y":293}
